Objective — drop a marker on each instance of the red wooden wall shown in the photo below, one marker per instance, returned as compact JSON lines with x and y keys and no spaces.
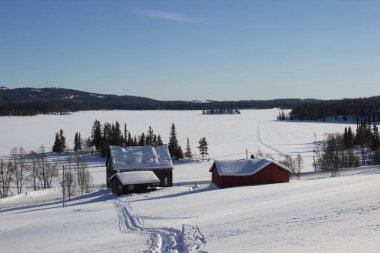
{"x":272,"y":173}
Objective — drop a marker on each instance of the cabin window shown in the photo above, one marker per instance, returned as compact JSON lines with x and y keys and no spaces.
{"x":131,"y":187}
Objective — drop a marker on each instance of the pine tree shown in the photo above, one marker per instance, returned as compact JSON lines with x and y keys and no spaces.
{"x":173,"y":142}
{"x":77,"y":142}
{"x":96,"y":134}
{"x":154,"y":140}
{"x":106,"y":139}
{"x":375,"y":140}
{"x":350,"y":138}
{"x":130,"y":140}
{"x":142,"y":140}
{"x":150,"y":137}
{"x":56,"y":146}
{"x":159,"y":140}
{"x":203,"y":147}
{"x":188,"y":153}
{"x":345,"y":137}
{"x":116,"y":138}
{"x":179,"y":153}
{"x":125,"y":135}
{"x":60,"y":142}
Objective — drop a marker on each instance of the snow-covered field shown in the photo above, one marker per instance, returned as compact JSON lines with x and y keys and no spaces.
{"x":315,"y":214}
{"x":339,"y":214}
{"x":229,"y":136}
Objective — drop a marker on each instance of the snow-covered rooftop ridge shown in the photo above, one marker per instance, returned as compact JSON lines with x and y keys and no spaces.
{"x":243,"y":167}
{"x":141,"y":157}
{"x":136,"y":177}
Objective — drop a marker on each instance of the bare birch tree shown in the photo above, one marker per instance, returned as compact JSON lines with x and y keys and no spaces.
{"x":6,"y":177}
{"x":18,"y":159}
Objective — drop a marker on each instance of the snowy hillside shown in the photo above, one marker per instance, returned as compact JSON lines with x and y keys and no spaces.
{"x":324,"y":215}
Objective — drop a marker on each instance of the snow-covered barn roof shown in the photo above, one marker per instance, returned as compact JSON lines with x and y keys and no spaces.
{"x":141,"y":157}
{"x":243,"y":167}
{"x":136,"y":177}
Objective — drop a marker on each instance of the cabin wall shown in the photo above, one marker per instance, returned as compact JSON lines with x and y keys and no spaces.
{"x":269,"y":175}
{"x":165,"y":176}
{"x":119,"y":189}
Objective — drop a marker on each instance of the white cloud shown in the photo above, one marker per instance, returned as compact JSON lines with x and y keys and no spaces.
{"x":168,"y":16}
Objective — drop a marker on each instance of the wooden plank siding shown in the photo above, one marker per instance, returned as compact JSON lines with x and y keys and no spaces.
{"x":268,"y":175}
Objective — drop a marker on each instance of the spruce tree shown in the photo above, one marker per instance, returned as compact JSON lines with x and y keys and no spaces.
{"x":173,"y":142}
{"x":142,"y":140}
{"x":96,"y":134}
{"x":375,"y":140}
{"x":116,"y":138}
{"x":106,"y":139}
{"x":203,"y":147}
{"x":159,"y":140}
{"x":77,"y":142}
{"x":125,"y":135}
{"x":150,"y":137}
{"x":60,"y":142}
{"x":188,"y":153}
{"x":179,"y":153}
{"x":130,"y":140}
{"x":350,"y":138}
{"x":56,"y":145}
{"x":62,"y":139}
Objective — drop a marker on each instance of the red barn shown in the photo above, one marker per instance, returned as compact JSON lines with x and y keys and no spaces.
{"x":248,"y":172}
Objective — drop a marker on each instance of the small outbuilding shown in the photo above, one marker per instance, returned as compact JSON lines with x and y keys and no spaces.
{"x":230,"y":173}
{"x":155,"y":159}
{"x":134,"y":181}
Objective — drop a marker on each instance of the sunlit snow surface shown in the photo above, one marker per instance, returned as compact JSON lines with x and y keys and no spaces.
{"x":315,"y":214}
{"x":228,"y":136}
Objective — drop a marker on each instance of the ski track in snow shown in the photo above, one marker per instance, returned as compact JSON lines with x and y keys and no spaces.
{"x":279,"y":152}
{"x":167,"y":239}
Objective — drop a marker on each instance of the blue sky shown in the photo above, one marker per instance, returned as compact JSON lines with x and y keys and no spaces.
{"x":167,"y":50}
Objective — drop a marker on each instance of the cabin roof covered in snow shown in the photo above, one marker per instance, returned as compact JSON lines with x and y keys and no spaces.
{"x":136,"y":177}
{"x":141,"y":157}
{"x":244,"y":167}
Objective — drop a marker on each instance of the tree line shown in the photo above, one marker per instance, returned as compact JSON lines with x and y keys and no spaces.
{"x":348,"y":149}
{"x":357,"y":109}
{"x":107,"y":134}
{"x":29,"y":101}
{"x":34,"y":170}
{"x":221,"y":111}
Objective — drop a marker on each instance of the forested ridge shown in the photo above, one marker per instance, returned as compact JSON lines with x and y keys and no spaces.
{"x":32,"y":101}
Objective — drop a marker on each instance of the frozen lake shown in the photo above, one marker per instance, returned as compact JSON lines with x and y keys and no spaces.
{"x":229,"y":136}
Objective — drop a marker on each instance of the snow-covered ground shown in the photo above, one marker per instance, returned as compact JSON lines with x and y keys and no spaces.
{"x":340,"y":214}
{"x":229,"y":136}
{"x":317,"y":213}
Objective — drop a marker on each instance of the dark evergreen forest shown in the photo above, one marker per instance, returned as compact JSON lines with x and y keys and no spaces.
{"x":357,"y":109}
{"x":31,"y":101}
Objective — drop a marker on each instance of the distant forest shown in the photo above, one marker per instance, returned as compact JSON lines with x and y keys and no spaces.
{"x":32,"y":101}
{"x":358,"y":109}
